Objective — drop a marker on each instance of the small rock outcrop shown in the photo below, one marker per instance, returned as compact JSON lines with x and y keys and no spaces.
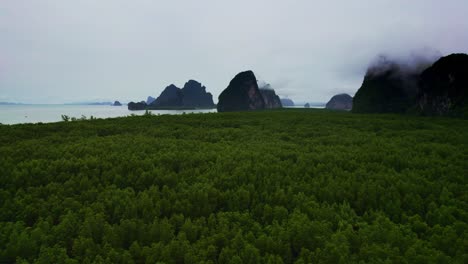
{"x":340,"y":102}
{"x":307,"y":105}
{"x":117,"y":103}
{"x":287,"y":102}
{"x":444,"y":87}
{"x":137,"y":106}
{"x":242,"y":94}
{"x":270,"y":98}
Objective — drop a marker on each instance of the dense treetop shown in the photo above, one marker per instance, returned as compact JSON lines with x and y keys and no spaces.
{"x":283,"y":186}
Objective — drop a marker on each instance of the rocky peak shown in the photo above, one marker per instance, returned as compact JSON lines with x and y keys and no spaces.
{"x":242,"y":94}
{"x":195,"y":95}
{"x":194,"y":85}
{"x":171,"y":96}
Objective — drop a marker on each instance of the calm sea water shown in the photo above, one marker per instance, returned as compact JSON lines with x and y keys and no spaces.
{"x":17,"y":114}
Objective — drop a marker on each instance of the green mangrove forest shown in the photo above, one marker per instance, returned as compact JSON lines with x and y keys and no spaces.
{"x":277,"y":186}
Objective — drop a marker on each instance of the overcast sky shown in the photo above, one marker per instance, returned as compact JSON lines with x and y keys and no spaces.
{"x":55,"y":51}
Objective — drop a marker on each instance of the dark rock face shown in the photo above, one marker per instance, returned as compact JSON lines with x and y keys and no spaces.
{"x":242,"y":94}
{"x":150,"y":100}
{"x":444,"y":87}
{"x":270,"y":98}
{"x":195,"y":95}
{"x":388,"y":87}
{"x":287,"y":102}
{"x":117,"y":103}
{"x":340,"y":102}
{"x":307,"y":105}
{"x":169,"y":98}
{"x":137,"y":106}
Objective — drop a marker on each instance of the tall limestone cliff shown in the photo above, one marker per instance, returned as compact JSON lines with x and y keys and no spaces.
{"x":439,"y":88}
{"x":388,"y":87}
{"x":444,"y":87}
{"x":242,"y":94}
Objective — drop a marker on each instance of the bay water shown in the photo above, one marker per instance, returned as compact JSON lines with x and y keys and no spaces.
{"x":18,"y":114}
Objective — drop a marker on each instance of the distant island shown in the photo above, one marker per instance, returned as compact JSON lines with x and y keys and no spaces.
{"x":100,"y":103}
{"x":192,"y":96}
{"x":340,"y":102}
{"x":9,"y":103}
{"x":287,"y":102}
{"x":90,"y":103}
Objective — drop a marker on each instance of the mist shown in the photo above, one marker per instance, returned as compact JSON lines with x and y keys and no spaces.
{"x":63,"y":51}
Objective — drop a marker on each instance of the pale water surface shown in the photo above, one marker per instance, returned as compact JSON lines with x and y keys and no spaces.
{"x":17,"y":114}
